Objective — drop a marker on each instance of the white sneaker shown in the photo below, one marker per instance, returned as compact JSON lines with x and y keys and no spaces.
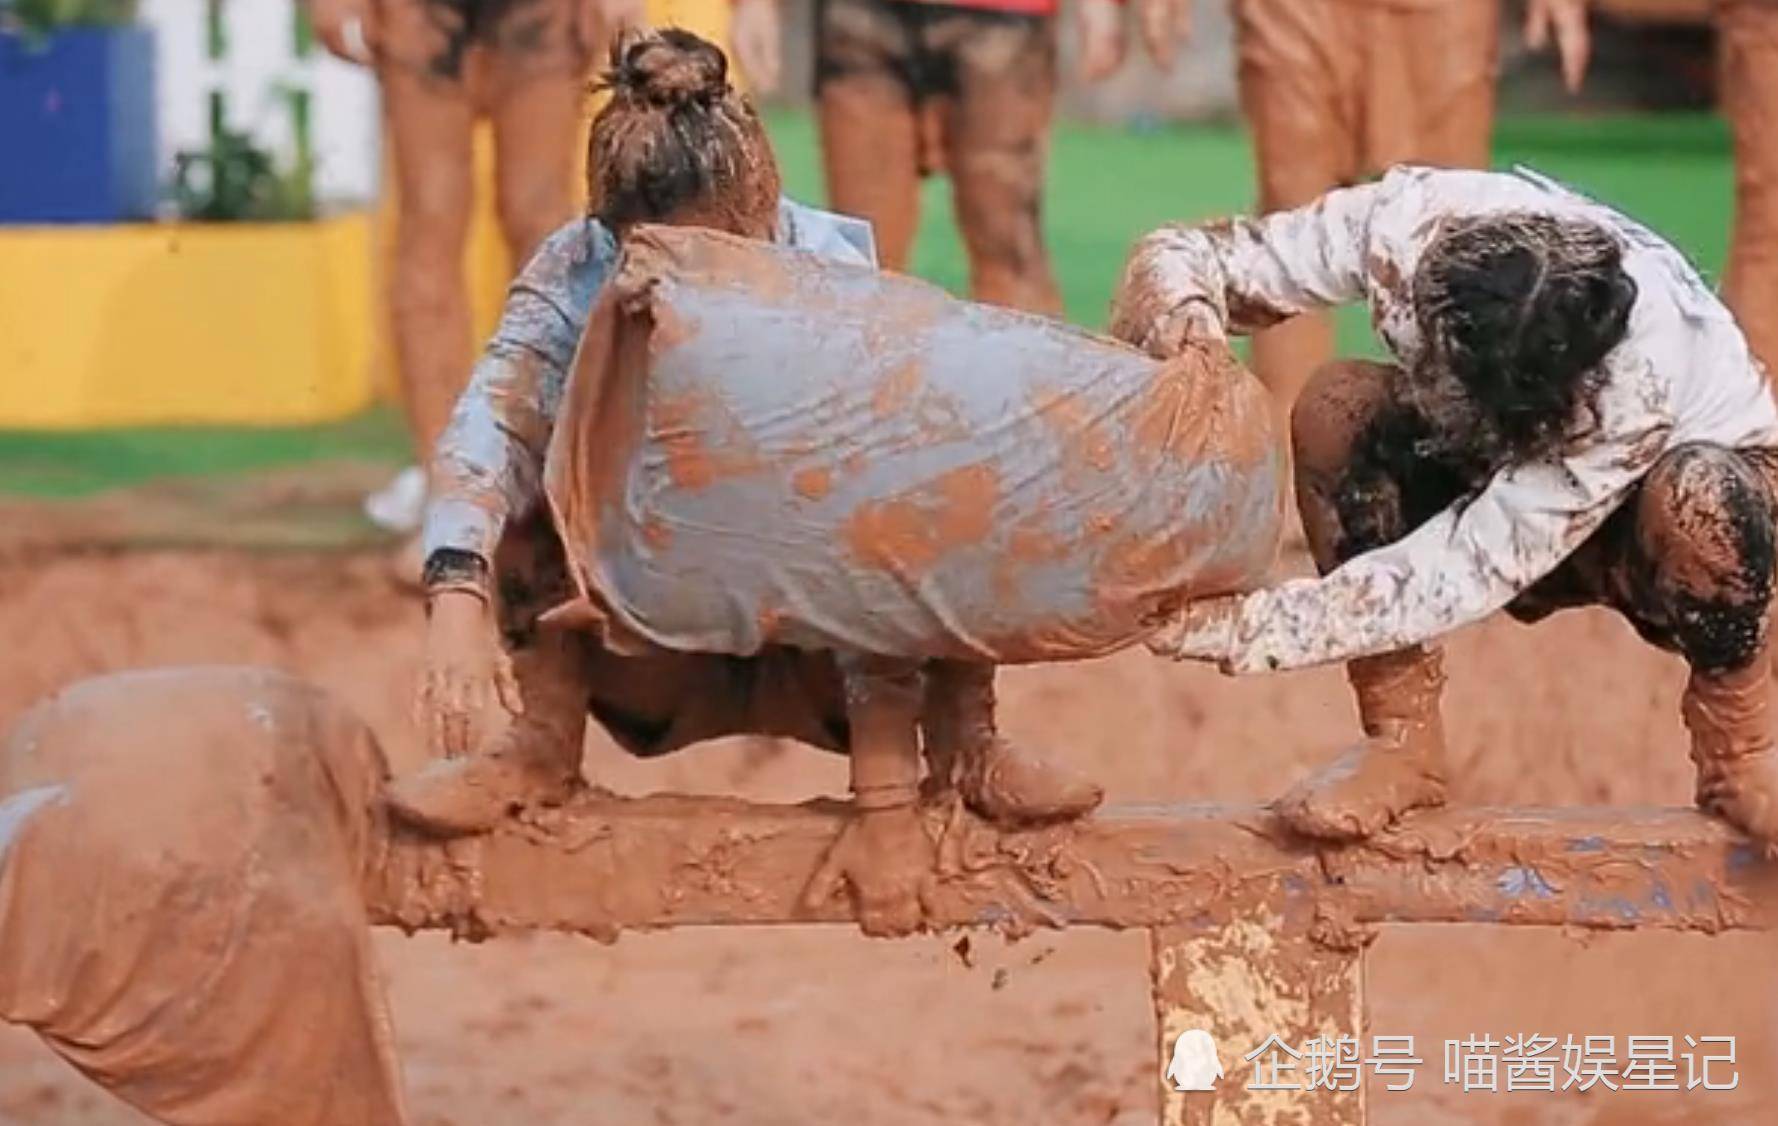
{"x":400,"y":506}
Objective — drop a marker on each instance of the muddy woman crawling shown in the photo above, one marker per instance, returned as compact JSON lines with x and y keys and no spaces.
{"x":1572,"y":419}
{"x":675,"y":145}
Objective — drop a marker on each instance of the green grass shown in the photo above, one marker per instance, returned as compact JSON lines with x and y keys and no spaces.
{"x":1106,"y":187}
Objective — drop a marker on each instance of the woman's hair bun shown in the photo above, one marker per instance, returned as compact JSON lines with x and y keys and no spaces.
{"x":672,"y":67}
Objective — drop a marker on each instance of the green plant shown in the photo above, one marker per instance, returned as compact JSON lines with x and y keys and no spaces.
{"x":235,"y":180}
{"x":36,"y":18}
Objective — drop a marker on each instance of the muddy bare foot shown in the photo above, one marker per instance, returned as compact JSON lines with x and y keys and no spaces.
{"x":1013,"y":786}
{"x":1361,"y":792}
{"x":885,"y":857}
{"x":1744,"y":792}
{"x":460,"y":796}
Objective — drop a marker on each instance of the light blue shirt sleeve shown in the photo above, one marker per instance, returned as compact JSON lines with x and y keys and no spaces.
{"x":488,"y":467}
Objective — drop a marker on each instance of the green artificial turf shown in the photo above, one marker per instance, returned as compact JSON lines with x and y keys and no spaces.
{"x":1107,"y":185}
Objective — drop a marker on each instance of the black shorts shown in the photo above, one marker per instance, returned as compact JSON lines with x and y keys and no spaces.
{"x":931,"y":49}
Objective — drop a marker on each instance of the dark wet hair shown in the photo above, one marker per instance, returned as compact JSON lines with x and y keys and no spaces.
{"x":677,"y":142}
{"x":1523,"y":308}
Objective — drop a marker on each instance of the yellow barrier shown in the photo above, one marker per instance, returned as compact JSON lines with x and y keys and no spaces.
{"x":239,"y":323}
{"x":257,"y":324}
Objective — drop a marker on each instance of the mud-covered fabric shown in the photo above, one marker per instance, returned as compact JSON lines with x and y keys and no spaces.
{"x":1682,"y":375}
{"x":183,"y":855}
{"x":489,"y":462}
{"x":760,"y":446}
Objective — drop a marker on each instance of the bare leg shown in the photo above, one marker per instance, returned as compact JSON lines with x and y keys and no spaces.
{"x":884,"y":854}
{"x":996,"y":778}
{"x":871,"y":128}
{"x":1697,"y":576}
{"x":1749,"y":61}
{"x":1298,"y":68}
{"x":537,"y":130}
{"x":431,"y":122}
{"x":870,"y":150}
{"x":996,"y":137}
{"x":1400,"y":765}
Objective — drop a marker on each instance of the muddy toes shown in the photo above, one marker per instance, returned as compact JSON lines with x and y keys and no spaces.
{"x":460,"y":797}
{"x":1359,"y":795}
{"x":1014,"y":786}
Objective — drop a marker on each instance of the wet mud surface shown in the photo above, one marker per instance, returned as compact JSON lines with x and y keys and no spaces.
{"x":805,"y":1024}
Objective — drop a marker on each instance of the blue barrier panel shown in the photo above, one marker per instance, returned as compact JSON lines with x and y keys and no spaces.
{"x":77,"y":111}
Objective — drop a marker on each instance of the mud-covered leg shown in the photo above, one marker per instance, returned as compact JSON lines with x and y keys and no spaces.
{"x":996,"y":135}
{"x":997,"y":779}
{"x":1700,"y":576}
{"x":1354,"y":498}
{"x":883,"y":854}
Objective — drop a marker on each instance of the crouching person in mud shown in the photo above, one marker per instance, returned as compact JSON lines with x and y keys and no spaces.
{"x":1572,"y":419}
{"x":675,"y":145}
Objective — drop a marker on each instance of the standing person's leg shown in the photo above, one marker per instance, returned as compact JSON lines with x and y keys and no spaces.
{"x":994,"y":77}
{"x":869,"y":119}
{"x":537,"y":71}
{"x":430,"y":115}
{"x":1748,"y":38}
{"x":1298,"y":68}
{"x":1453,"y":56}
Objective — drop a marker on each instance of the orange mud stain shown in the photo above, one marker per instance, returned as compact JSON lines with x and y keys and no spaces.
{"x":814,"y":483}
{"x":909,"y":533}
{"x":1028,"y":543}
{"x":1085,"y":444}
{"x":680,"y":425}
{"x":656,"y":534}
{"x":896,"y":392}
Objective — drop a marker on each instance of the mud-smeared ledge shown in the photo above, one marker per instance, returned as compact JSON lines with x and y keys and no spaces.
{"x":604,"y":865}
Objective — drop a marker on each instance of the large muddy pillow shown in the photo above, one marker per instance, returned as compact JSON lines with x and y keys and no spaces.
{"x":761,"y":446}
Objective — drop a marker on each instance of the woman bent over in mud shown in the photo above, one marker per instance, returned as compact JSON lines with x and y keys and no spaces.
{"x":675,"y":145}
{"x":1572,"y":419}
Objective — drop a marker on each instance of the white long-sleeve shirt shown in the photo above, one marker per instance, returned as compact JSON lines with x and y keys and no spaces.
{"x":1682,"y":374}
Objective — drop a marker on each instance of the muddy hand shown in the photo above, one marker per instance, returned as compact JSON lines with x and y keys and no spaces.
{"x":1194,"y":321}
{"x":1566,"y":21}
{"x":1202,"y":631}
{"x":758,"y":33}
{"x":466,"y":673}
{"x":1166,"y":25}
{"x":347,"y":28}
{"x":885,"y":857}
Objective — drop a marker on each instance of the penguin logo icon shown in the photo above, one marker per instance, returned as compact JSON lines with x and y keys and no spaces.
{"x":1195,"y":1066}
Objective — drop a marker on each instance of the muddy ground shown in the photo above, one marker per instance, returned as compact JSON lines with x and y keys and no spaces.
{"x":811,"y":1025}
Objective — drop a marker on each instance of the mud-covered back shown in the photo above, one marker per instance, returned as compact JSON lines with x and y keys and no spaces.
{"x":760,"y":447}
{"x":183,"y":855}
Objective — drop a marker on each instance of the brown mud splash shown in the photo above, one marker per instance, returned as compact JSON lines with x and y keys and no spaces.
{"x":1592,"y":721}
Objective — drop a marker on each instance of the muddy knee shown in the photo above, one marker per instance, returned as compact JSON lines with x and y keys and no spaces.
{"x":1327,"y":424}
{"x":1706,"y":547}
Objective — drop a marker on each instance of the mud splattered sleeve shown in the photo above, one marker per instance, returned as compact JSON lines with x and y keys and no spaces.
{"x":1471,"y":559}
{"x":1245,"y":274}
{"x":490,"y":458}
{"x":489,"y":464}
